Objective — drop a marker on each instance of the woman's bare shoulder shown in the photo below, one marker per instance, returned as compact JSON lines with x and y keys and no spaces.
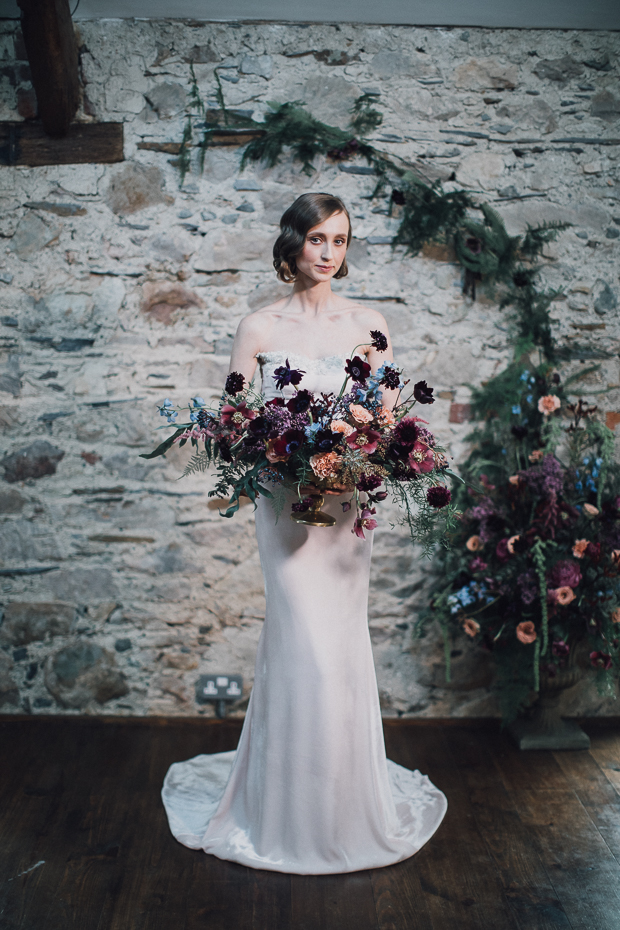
{"x":366,"y":316}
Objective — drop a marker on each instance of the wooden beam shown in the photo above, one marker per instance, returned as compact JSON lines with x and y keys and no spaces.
{"x":52,"y":53}
{"x":85,"y":143}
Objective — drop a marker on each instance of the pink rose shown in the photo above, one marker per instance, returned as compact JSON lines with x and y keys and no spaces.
{"x":548,"y":404}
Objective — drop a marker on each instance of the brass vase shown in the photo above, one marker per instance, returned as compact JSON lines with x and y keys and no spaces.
{"x":544,"y":728}
{"x":314,"y":516}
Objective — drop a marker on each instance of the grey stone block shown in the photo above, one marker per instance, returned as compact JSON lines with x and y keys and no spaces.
{"x":82,"y":672}
{"x":38,"y":459}
{"x":29,"y":622}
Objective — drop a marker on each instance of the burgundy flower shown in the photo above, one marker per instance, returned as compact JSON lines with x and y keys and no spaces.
{"x":275,"y":402}
{"x":593,"y":551}
{"x":259,"y":427}
{"x":369,"y":482}
{"x":300,"y":402}
{"x":600,"y":660}
{"x":379,"y":341}
{"x":390,"y":379}
{"x":398,"y":197}
{"x":501,"y":550}
{"x":294,"y":440}
{"x":519,"y":432}
{"x":234,"y":383}
{"x":236,"y":415}
{"x":423,"y":393}
{"x":421,"y":459}
{"x":325,"y":440}
{"x":478,"y":564}
{"x":365,"y":439}
{"x":438,"y":496}
{"x":364,"y":522}
{"x":358,"y":369}
{"x":301,"y":506}
{"x":285,"y":375}
{"x":407,"y":431}
{"x":560,"y":648}
{"x":565,"y":573}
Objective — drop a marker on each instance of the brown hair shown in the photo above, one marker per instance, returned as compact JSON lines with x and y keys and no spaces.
{"x":306,"y":212}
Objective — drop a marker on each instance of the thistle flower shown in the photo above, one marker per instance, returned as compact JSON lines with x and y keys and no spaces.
{"x":379,"y":341}
{"x":438,"y":496}
{"x":234,"y":383}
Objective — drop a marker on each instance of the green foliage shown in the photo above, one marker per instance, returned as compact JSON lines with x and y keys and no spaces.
{"x":430,"y":214}
{"x":365,"y":118}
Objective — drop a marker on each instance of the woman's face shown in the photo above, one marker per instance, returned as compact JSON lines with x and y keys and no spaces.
{"x":325,"y":248}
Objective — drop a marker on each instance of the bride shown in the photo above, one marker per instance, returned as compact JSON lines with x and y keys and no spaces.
{"x":309,"y":789}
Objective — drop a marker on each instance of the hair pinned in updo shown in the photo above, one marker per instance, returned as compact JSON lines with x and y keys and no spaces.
{"x":304,"y":214}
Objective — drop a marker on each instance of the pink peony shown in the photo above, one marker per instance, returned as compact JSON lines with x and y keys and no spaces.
{"x":548,"y":404}
{"x":526,"y":632}
{"x":565,"y":574}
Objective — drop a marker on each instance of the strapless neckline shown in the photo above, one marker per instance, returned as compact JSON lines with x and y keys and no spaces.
{"x":281,"y":353}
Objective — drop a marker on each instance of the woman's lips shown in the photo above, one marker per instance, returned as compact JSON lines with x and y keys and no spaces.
{"x":324,"y":267}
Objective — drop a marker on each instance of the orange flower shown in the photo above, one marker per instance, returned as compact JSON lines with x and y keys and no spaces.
{"x":564,"y":595}
{"x":590,"y":510}
{"x":471,"y":627}
{"x":510,"y":545}
{"x":579,"y":548}
{"x":339,"y":426}
{"x":272,"y":456}
{"x":360,"y":414}
{"x":326,"y":464}
{"x":536,"y":455}
{"x":548,"y":404}
{"x":514,"y":479}
{"x":526,"y":632}
{"x":385,"y":416}
{"x":615,"y":615}
{"x":474,"y":544}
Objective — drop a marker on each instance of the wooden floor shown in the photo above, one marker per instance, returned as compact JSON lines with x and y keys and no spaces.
{"x":531,"y":840}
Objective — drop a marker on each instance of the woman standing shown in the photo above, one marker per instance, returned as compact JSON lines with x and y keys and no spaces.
{"x":309,"y":789}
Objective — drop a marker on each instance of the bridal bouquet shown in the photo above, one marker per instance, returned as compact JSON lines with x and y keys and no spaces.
{"x":348,"y":443}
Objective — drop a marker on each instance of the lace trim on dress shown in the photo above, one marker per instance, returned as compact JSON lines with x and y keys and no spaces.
{"x":324,"y":365}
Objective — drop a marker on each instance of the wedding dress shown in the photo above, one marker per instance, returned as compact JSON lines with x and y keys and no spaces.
{"x":309,"y":789}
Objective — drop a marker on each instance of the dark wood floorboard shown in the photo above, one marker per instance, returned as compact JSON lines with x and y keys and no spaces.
{"x":531,"y":840}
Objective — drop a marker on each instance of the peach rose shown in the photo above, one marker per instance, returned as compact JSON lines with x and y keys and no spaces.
{"x":471,"y":627}
{"x":325,"y":464}
{"x":385,"y":416}
{"x":510,"y":545}
{"x":564,"y":595}
{"x":360,"y":414}
{"x":514,"y":479}
{"x":526,"y":632}
{"x":536,"y":455}
{"x":548,"y":404}
{"x":579,"y":548}
{"x":615,"y":615}
{"x":590,"y":510}
{"x":474,"y":544}
{"x":339,"y":426}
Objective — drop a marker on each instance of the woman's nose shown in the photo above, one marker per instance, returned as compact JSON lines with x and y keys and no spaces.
{"x":326,"y":251}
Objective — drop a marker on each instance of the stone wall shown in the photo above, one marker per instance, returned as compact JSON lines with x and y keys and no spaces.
{"x":121,"y":584}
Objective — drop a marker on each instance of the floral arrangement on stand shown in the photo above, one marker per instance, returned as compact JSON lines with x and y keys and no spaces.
{"x":534,"y":566}
{"x":309,"y":443}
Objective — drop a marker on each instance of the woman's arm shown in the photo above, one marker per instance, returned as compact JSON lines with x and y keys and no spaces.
{"x":245,"y":346}
{"x":376,"y":359}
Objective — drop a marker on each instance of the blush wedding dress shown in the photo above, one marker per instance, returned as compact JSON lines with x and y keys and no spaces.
{"x":309,"y":789}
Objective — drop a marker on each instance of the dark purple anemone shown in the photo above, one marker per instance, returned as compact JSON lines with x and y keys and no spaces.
{"x":423,"y":393}
{"x":358,"y":369}
{"x":300,"y":402}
